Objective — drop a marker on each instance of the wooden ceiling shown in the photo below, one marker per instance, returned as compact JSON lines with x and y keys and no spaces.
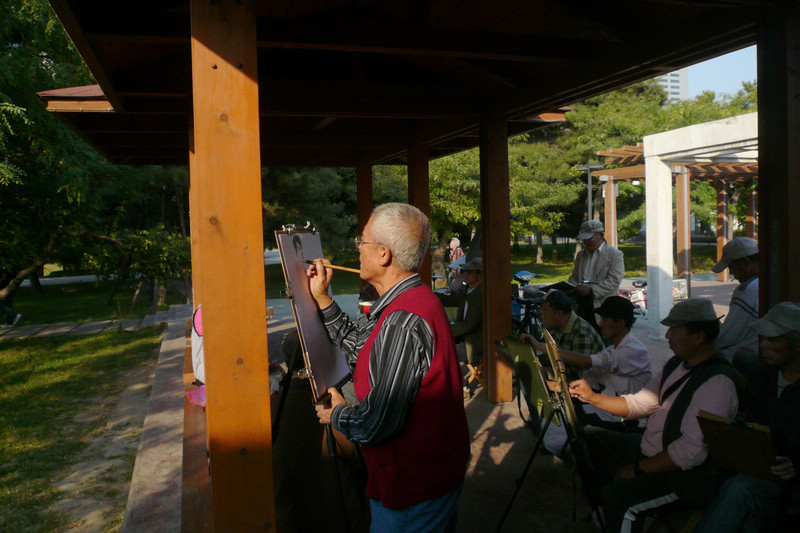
{"x":344,"y":83}
{"x":631,"y":161}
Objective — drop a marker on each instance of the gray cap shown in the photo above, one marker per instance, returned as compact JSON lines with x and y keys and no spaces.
{"x":589,"y":228}
{"x":473,"y":264}
{"x":691,"y":310}
{"x":736,"y":248}
{"x":780,"y":320}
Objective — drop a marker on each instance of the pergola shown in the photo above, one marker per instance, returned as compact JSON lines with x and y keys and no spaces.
{"x":229,"y":87}
{"x":721,"y":152}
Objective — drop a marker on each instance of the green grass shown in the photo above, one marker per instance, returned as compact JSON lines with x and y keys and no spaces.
{"x":44,"y":384}
{"x":524,"y":258}
{"x":83,"y":301}
{"x":703,"y":258}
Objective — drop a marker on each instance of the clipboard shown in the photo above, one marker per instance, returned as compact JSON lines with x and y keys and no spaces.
{"x":743,"y":447}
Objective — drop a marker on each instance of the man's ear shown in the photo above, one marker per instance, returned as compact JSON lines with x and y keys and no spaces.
{"x":385,"y":257}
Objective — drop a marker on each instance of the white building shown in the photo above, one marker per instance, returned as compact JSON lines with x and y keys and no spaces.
{"x":676,"y":84}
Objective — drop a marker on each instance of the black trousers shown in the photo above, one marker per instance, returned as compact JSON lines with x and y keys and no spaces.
{"x":627,"y":502}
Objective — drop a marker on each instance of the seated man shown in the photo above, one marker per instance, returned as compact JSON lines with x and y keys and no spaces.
{"x":468,"y":324}
{"x":667,"y":465}
{"x":736,"y":340}
{"x":621,"y":368}
{"x":571,"y":332}
{"x":772,"y":398}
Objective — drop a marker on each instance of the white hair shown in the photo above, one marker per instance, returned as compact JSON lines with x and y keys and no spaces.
{"x":405,"y":230}
{"x":456,"y":241}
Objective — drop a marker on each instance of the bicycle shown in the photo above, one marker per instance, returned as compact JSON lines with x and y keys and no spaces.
{"x":528,"y":319}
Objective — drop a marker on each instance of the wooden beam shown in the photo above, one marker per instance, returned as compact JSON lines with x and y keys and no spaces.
{"x":419,"y":194}
{"x":779,"y":160}
{"x":751,"y":218}
{"x":610,"y":214}
{"x":496,"y":253}
{"x":227,"y":173}
{"x":684,"y":230}
{"x":722,"y":223}
{"x":622,"y":173}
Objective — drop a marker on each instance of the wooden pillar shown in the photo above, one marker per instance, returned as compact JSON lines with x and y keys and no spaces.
{"x":419,"y":195}
{"x":751,"y":218}
{"x":610,"y":224}
{"x":722,"y":223}
{"x":684,"y":230}
{"x":226,"y":175}
{"x":778,"y":156}
{"x":496,"y":253}
{"x":364,"y":200}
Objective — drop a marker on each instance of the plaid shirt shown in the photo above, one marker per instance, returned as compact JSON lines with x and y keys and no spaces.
{"x":578,"y":336}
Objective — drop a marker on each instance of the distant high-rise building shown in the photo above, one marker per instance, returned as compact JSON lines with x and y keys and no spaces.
{"x":676,"y":84}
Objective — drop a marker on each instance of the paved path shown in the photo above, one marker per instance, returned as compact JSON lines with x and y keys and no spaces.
{"x":90,"y":327}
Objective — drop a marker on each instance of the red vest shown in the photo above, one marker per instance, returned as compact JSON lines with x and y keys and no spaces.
{"x":429,"y":457}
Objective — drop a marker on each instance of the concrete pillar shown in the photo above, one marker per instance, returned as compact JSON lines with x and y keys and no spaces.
{"x":658,"y":202}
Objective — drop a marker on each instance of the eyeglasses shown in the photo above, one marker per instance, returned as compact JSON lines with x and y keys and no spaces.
{"x":359,"y":242}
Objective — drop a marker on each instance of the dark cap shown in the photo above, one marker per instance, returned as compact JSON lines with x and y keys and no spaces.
{"x":473,"y":264}
{"x":691,"y":310}
{"x":780,"y":320}
{"x":616,"y":307}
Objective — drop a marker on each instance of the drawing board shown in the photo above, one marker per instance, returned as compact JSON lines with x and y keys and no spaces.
{"x":561,"y":385}
{"x":325,"y":362}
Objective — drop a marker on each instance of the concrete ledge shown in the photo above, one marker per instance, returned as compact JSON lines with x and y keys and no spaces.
{"x":154,"y":500}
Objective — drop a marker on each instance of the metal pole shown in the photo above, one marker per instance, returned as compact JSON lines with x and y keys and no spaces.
{"x":589,"y":185}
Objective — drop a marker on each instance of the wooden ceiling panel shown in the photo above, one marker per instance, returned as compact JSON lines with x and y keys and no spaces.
{"x":338,"y":74}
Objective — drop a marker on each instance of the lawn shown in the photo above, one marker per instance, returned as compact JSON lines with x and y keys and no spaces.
{"x":46,"y":387}
{"x":703,"y":258}
{"x":84,"y":301}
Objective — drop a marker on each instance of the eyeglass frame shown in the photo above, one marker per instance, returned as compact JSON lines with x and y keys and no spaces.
{"x":359,"y":242}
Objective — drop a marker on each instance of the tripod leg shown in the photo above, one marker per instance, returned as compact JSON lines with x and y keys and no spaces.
{"x":522,"y":476}
{"x":332,"y":454}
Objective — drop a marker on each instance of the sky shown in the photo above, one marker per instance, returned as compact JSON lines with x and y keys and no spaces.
{"x":723,"y":74}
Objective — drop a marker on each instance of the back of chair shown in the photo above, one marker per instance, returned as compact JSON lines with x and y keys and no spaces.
{"x":529,"y":373}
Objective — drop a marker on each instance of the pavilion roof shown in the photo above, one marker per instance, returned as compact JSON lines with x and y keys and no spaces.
{"x":347,"y":82}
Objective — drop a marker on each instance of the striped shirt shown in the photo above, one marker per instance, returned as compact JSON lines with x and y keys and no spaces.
{"x":400,"y":358}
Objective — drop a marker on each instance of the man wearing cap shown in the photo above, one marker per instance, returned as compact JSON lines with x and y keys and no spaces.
{"x":666,"y":466}
{"x":621,"y":368}
{"x":740,"y":256}
{"x":468,"y":324}
{"x":570,"y":332}
{"x":601,"y":265}
{"x":771,"y":398}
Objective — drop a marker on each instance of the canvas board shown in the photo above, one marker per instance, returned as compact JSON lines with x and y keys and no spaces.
{"x":326,"y":362}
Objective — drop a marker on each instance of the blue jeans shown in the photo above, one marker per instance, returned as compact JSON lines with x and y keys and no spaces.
{"x":744,"y":503}
{"x":431,"y":516}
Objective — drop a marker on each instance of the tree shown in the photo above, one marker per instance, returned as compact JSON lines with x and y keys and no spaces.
{"x":58,"y":197}
{"x":323,"y":197}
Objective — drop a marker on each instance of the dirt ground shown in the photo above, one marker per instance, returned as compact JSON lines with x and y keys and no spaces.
{"x":95,"y":489}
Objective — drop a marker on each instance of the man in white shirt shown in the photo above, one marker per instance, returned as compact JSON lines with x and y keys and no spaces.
{"x":621,"y":368}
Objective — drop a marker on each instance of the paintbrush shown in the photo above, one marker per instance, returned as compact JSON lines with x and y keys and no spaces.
{"x":335,"y":267}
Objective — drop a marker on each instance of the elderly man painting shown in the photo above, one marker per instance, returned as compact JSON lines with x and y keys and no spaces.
{"x":410,"y":419}
{"x":598,"y":270}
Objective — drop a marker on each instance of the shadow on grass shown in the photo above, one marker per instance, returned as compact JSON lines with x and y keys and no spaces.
{"x":46,"y":385}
